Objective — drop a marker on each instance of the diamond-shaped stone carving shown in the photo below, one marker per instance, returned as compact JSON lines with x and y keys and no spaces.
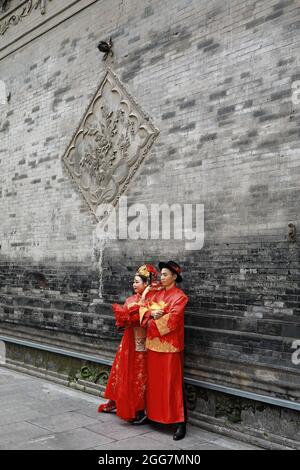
{"x":109,"y":145}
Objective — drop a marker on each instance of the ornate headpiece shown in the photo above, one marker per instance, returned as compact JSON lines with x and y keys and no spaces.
{"x":147,"y":270}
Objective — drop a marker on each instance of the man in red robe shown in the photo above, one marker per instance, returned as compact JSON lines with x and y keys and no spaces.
{"x":164,"y":318}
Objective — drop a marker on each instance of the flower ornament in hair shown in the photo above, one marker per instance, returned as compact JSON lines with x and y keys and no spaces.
{"x":147,"y":270}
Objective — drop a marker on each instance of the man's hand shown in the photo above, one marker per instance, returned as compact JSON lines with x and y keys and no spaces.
{"x":156,"y":314}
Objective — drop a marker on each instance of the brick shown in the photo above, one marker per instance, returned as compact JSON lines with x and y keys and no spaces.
{"x":218,"y":84}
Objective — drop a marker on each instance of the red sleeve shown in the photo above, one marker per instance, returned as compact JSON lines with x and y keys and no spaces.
{"x":121,"y":314}
{"x":134,"y":316}
{"x":146,"y":318}
{"x":152,"y":331}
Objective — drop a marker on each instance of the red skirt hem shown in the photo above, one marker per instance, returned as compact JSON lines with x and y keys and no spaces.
{"x":165,"y":392}
{"x":127,"y":380}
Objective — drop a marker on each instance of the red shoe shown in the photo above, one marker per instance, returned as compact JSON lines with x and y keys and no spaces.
{"x":108,"y":407}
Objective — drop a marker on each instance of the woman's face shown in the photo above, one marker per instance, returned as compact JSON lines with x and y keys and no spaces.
{"x":139,"y":285}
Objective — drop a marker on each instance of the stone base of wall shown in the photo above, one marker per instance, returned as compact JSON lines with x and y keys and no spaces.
{"x":267,"y":426}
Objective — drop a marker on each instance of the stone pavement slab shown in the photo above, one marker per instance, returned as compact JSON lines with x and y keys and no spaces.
{"x":38,"y":415}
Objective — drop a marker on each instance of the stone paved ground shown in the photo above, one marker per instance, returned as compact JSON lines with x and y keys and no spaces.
{"x":36,"y":414}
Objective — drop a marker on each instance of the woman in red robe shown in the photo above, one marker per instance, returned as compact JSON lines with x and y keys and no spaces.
{"x":126,"y":387}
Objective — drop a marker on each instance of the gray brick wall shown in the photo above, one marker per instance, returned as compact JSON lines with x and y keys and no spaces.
{"x":216,"y":77}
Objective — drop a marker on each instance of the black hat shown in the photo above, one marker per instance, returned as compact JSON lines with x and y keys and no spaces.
{"x":174,"y":267}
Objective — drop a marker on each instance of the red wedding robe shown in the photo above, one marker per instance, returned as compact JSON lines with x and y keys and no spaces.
{"x":127,"y":380}
{"x":165,"y":396}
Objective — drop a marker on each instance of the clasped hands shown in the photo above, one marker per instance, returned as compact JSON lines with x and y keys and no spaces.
{"x":156,"y":314}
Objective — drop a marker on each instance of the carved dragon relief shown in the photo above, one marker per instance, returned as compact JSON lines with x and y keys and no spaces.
{"x":110,"y":144}
{"x":13,"y":16}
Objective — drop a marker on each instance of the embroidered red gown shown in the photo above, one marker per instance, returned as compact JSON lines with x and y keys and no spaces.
{"x":127,"y":380}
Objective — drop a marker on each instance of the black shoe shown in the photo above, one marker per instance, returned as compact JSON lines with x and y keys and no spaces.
{"x":179,"y":432}
{"x":141,"y":418}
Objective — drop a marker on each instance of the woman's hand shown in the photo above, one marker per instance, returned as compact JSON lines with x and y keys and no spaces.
{"x":145,"y":293}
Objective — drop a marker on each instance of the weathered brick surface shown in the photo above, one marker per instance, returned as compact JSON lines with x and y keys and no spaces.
{"x":216,"y":77}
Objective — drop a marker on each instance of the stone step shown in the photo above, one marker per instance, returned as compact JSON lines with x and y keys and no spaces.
{"x":267,"y":326}
{"x":55,"y":319}
{"x":85,"y":296}
{"x":59,"y":303}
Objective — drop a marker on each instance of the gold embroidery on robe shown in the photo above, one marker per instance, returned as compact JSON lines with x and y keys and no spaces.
{"x":132,"y":304}
{"x":151,"y":306}
{"x":140,"y":338}
{"x":162,"y":324}
{"x":142,"y":312}
{"x":158,"y":305}
{"x":157,"y":345}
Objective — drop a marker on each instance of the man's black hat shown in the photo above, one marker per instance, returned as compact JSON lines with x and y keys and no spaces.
{"x":172,"y":266}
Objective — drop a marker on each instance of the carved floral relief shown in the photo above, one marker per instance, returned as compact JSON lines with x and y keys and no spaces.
{"x":111,"y":142}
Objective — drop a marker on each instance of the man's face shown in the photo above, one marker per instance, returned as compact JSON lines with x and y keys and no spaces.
{"x":167,"y":277}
